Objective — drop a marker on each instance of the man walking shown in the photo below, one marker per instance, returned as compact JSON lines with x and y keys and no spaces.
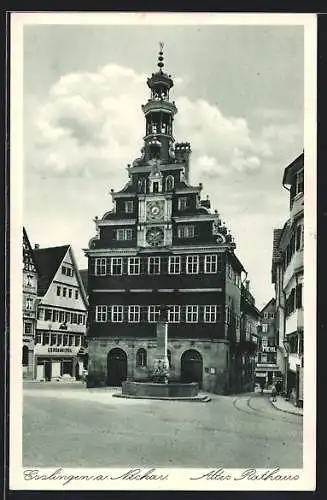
{"x":273,"y":393}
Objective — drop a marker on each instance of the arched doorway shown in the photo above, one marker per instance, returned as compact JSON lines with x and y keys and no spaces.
{"x":191,"y":367}
{"x":116,"y":367}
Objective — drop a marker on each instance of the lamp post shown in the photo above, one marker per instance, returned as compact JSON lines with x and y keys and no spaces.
{"x":286,"y":344}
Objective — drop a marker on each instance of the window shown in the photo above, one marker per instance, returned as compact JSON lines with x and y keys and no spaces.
{"x":65,"y":340}
{"x":48,"y":315}
{"x":263,"y":358}
{"x":58,"y":290}
{"x":61,"y":316}
{"x":53,"y":339}
{"x":29,"y":303}
{"x":116,"y":265}
{"x":266,"y":315}
{"x":192,"y":264}
{"x":210,"y":314}
{"x":134,"y":314}
{"x":169,"y":183}
{"x":59,"y":339}
{"x":38,"y":338}
{"x":299,"y":237}
{"x":124,"y":234}
{"x":55,"y":316}
{"x":80,"y":319}
{"x":153,"y":265}
{"x":133,"y":265}
{"x":186,"y":231}
{"x":74,"y":318}
{"x":117,"y":314}
{"x":77,"y":340}
{"x":264,"y":328}
{"x":129,"y":206}
{"x":70,"y":292}
{"x":210,"y":264}
{"x":68,"y":317}
{"x":40,"y":313}
{"x":76,"y":294}
{"x":300,"y":182}
{"x":63,"y":269}
{"x":100,"y":267}
{"x":141,"y":357}
{"x":182,"y":203}
{"x":191,"y":314}
{"x":101,"y":314}
{"x":29,"y":279}
{"x":45,"y":339}
{"x":264,"y":342}
{"x":153,"y":314}
{"x":174,"y":314}
{"x":28,"y":328}
{"x":70,"y":340}
{"x":298,"y":293}
{"x":64,"y":291}
{"x":174,"y":265}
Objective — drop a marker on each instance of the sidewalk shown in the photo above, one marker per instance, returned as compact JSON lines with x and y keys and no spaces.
{"x":286,"y":406}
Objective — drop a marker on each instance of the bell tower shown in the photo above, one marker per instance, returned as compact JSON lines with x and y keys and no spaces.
{"x":159,"y":114}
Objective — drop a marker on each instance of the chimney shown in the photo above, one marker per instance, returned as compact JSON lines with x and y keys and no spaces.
{"x":36,"y":246}
{"x":247,"y":285}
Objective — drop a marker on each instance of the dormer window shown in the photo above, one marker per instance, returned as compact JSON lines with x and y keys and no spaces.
{"x":129,"y":206}
{"x":182,"y":203}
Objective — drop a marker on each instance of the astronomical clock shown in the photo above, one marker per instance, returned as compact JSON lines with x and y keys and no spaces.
{"x":155,"y":210}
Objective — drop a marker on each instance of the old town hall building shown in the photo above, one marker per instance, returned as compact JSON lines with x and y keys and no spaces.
{"x":161,"y":244}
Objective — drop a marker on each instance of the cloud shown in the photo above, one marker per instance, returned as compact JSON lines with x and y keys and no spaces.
{"x":91,"y":124}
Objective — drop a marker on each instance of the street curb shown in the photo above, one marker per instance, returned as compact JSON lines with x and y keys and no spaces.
{"x":285,"y":411}
{"x":204,"y":399}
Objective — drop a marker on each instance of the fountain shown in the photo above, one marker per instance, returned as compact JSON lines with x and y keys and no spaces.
{"x":159,"y":386}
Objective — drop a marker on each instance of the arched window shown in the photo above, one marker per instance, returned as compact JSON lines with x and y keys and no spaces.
{"x":169,"y":357}
{"x":169,"y":183}
{"x":141,"y":357}
{"x":25,"y":356}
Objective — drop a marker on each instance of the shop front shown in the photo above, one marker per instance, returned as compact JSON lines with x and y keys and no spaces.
{"x":54,"y":362}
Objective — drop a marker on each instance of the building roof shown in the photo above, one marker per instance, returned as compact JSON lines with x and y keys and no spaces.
{"x":272,"y":302}
{"x":84,"y":275}
{"x":48,"y":261}
{"x":292,"y":168}
{"x":30,"y":250}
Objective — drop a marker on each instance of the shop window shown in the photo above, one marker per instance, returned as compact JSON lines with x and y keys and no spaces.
{"x":141,"y":357}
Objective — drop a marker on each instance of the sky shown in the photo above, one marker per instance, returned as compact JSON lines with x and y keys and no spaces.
{"x":239,"y":93}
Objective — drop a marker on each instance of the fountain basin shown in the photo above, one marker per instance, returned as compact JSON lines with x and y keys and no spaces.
{"x":152,"y":390}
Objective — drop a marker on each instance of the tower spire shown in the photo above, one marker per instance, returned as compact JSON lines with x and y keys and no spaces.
{"x":160,"y":56}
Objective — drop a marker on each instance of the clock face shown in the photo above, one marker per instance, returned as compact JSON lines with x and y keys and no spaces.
{"x":155,"y":236}
{"x":155,"y":210}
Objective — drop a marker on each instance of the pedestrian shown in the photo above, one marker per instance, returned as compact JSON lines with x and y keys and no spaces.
{"x":262,"y":385}
{"x":273,"y":392}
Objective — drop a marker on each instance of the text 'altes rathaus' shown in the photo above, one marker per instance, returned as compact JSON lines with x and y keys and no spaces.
{"x":162,"y":245}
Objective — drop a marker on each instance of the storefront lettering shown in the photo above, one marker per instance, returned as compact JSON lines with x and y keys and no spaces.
{"x":59,"y":349}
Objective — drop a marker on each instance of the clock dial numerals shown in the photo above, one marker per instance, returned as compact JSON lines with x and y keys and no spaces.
{"x":155,"y":236}
{"x":155,"y":210}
